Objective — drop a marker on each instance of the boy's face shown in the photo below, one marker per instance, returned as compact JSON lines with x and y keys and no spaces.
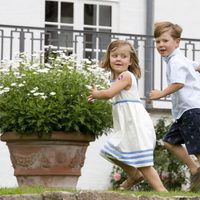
{"x":165,"y":44}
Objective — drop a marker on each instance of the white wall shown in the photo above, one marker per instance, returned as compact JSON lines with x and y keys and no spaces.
{"x":7,"y":178}
{"x":127,"y":19}
{"x":132,"y":16}
{"x":96,"y":170}
{"x":22,"y":12}
{"x":185,"y":14}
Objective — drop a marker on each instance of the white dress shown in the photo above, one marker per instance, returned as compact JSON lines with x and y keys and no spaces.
{"x":134,"y":139}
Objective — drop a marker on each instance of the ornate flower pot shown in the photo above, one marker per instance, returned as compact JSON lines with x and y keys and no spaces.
{"x":54,"y":161}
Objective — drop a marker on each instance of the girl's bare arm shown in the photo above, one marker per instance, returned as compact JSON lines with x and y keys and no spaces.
{"x":123,"y":82}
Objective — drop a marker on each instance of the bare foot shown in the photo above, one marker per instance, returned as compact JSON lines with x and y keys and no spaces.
{"x":131,"y":181}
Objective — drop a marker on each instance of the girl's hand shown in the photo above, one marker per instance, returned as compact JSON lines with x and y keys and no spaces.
{"x":198,"y":69}
{"x":93,"y":91}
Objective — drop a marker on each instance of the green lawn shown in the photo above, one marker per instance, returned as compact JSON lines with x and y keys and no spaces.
{"x":38,"y":190}
{"x":30,"y":190}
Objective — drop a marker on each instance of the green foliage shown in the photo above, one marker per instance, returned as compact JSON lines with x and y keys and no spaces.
{"x":170,"y":169}
{"x":118,"y":176}
{"x":40,"y":98}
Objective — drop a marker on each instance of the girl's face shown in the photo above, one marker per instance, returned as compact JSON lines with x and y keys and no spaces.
{"x":120,"y":59}
{"x":165,"y":44}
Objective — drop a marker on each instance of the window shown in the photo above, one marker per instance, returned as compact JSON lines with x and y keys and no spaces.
{"x":105,"y":16}
{"x":51,"y":11}
{"x":96,"y":18}
{"x":97,"y":15}
{"x":67,"y":12}
{"x":59,"y":15}
{"x":60,"y":23}
{"x":90,"y":14}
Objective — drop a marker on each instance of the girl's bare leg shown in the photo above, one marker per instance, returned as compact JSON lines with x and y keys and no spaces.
{"x":131,"y":171}
{"x":134,"y":175}
{"x":153,"y":178}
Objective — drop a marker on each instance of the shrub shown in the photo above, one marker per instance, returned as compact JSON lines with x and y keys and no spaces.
{"x":38,"y":98}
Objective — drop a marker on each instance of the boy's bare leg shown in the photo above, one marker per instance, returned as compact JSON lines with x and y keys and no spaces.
{"x":182,"y":154}
{"x":153,"y":178}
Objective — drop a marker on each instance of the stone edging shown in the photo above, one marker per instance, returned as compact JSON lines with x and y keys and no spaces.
{"x":90,"y":195}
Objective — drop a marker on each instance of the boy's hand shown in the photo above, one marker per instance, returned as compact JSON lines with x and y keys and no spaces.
{"x":155,"y":94}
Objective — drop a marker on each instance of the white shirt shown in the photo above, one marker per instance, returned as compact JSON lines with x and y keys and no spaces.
{"x":182,"y":70}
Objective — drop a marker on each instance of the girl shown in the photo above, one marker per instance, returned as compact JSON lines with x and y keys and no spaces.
{"x":133,"y":143}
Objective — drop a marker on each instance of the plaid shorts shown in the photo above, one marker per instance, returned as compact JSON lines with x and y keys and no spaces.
{"x":186,"y":130}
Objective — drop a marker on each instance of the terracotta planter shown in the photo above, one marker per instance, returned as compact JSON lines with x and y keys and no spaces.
{"x":49,"y":162}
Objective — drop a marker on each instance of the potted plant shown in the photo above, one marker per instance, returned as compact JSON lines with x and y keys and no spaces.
{"x":45,"y":104}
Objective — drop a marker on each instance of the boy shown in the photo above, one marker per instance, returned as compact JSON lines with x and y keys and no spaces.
{"x":184,"y":88}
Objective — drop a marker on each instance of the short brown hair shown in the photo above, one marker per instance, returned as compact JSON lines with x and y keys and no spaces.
{"x":162,"y":27}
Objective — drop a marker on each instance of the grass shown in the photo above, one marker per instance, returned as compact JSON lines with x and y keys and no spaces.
{"x":30,"y":190}
{"x":39,"y":190}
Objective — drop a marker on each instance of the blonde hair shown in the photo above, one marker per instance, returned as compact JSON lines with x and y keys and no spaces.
{"x":134,"y":67}
{"x":162,"y":27}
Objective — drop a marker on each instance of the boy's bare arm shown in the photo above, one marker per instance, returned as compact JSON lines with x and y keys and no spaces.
{"x":157,"y":94}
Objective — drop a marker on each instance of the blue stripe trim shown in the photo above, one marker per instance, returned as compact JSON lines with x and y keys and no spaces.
{"x":149,"y":161}
{"x":131,"y":152}
{"x":126,"y":101}
{"x":116,"y":154}
{"x":127,"y":157}
{"x":112,"y":151}
{"x":130,"y":158}
{"x":140,"y":162}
